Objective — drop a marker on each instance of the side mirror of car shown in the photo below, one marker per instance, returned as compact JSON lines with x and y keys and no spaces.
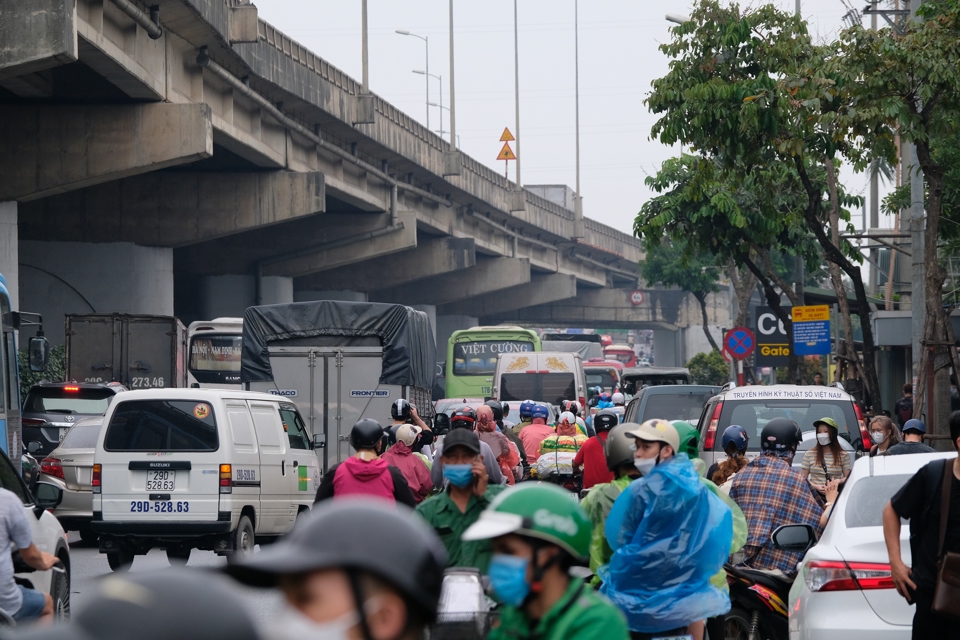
{"x":39,"y":353}
{"x":319,"y":441}
{"x":794,"y":537}
{"x":48,"y":496}
{"x":441,"y":424}
{"x":33,"y":447}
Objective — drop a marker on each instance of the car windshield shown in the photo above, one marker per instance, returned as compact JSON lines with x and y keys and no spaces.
{"x":868,"y":497}
{"x":82,"y":436}
{"x":753,"y":415}
{"x":67,"y":400}
{"x":674,"y":406}
{"x":598,"y":378}
{"x":162,"y":425}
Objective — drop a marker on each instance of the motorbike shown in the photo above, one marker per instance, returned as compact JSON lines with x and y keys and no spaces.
{"x":758,"y":605}
{"x":464,"y":612}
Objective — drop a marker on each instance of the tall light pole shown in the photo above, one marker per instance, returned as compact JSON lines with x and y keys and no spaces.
{"x":426,"y":73}
{"x":365,"y":58}
{"x":516,"y":90}
{"x":578,"y":230}
{"x":453,"y":103}
{"x":434,"y":104}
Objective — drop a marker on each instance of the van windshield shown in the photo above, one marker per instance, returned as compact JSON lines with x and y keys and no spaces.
{"x":162,"y":425}
{"x":539,"y":387}
{"x":753,"y":415}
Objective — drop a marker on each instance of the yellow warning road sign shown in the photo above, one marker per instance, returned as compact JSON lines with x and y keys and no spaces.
{"x":506,"y":153}
{"x":507,"y":136}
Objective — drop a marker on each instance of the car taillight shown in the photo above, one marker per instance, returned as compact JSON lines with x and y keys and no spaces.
{"x":95,"y":480}
{"x":52,"y":467}
{"x":32,"y":422}
{"x":226,"y":478}
{"x":864,"y":433}
{"x":711,"y":438}
{"x":825,"y":575}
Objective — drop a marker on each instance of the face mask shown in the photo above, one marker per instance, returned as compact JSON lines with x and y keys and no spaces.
{"x":291,"y":624}
{"x":508,"y":577}
{"x":878,"y":436}
{"x":459,"y":475}
{"x":644,"y":465}
{"x":823,"y":439}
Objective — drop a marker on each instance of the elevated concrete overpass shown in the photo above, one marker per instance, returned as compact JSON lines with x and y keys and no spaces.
{"x":207,"y":161}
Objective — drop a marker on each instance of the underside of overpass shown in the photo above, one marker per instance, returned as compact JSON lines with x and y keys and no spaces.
{"x":221,"y":164}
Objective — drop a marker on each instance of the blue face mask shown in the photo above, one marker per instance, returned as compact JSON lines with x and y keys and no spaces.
{"x":508,"y":577}
{"x":459,"y":475}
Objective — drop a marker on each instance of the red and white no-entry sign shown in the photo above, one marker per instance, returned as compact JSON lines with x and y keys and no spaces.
{"x":636,"y":297}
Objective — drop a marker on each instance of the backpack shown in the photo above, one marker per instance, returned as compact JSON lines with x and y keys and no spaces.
{"x":904,"y":409}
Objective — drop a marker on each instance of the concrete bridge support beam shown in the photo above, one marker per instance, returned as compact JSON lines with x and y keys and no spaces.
{"x":446,"y":325}
{"x":54,"y":149}
{"x":489,"y":275}
{"x":36,"y":35}
{"x":542,"y":289}
{"x":60,"y":278}
{"x":174,"y":209}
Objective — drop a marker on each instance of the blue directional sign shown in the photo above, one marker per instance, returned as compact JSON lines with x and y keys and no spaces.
{"x":811,"y":330}
{"x":739,"y":343}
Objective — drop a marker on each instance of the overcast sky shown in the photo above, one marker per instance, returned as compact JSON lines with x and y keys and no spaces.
{"x":618,"y":60}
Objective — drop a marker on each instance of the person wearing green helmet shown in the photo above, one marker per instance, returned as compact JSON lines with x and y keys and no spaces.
{"x":538,"y":532}
{"x":690,"y":444}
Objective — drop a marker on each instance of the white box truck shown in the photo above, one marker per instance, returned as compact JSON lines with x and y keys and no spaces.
{"x":339,"y":362}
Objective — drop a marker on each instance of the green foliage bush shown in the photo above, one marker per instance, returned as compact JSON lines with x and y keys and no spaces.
{"x":56,"y":369}
{"x":709,"y":368}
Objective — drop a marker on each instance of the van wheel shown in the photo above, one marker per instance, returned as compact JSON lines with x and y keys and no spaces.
{"x":178,"y":557}
{"x":120,"y":560}
{"x":243,"y":541}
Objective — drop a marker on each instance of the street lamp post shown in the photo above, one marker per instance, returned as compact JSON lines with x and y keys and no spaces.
{"x":516,"y":91}
{"x":365,"y":86}
{"x":426,"y":43}
{"x":453,"y":104}
{"x":434,"y":104}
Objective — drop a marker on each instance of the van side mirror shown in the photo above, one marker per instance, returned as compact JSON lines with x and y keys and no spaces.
{"x":794,"y":537}
{"x":48,"y":496}
{"x":39,"y":353}
{"x":319,"y":441}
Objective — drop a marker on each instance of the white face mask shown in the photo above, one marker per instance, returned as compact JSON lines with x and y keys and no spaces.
{"x":878,"y":436}
{"x":291,"y":624}
{"x":644,"y":465}
{"x":823,"y":439}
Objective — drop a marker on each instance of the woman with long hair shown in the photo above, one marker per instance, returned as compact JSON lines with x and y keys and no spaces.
{"x":883,"y":434}
{"x":827,"y":460}
{"x":734,"y":442}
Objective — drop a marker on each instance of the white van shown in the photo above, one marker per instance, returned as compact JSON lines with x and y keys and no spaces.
{"x":541,"y":376}
{"x":212,"y":469}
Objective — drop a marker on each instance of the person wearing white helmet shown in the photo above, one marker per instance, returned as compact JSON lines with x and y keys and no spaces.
{"x":617,"y":399}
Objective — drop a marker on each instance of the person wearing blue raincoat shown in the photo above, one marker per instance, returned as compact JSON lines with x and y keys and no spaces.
{"x":669,"y":535}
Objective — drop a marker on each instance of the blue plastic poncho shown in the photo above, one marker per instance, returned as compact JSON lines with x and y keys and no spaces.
{"x":670,"y":535}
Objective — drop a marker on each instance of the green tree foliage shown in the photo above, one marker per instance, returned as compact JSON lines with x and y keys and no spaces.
{"x":675,"y":265}
{"x":56,"y":369}
{"x":709,"y":368}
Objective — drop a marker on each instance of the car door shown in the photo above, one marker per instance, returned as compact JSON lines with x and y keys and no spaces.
{"x":275,"y":503}
{"x":306,"y":477}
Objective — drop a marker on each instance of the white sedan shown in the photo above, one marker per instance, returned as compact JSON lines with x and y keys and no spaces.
{"x":844,"y":589}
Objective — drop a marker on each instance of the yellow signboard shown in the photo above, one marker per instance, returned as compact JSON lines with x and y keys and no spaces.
{"x":506,"y":136}
{"x":811,"y":314}
{"x":506,"y":153}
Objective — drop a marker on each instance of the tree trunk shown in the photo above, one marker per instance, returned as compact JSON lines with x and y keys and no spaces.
{"x":743,"y":284}
{"x":850,"y":349}
{"x":833,"y":254}
{"x":702,"y":299}
{"x":785,"y":287}
{"x":773,"y":299}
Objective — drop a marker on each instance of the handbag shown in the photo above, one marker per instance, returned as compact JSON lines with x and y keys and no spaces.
{"x":946,"y":596}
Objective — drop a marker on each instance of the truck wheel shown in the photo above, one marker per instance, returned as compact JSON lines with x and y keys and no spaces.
{"x":178,"y":557}
{"x":243,"y":541}
{"x":120,"y":560}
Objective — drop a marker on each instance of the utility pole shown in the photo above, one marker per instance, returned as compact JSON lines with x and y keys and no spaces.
{"x":578,"y":230}
{"x":874,"y":194}
{"x":453,"y":102}
{"x":516,"y":88}
{"x":365,"y":86}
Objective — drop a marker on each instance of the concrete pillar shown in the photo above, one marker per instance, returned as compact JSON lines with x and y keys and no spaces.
{"x":60,"y":278}
{"x":665,"y":348}
{"x":695,"y":341}
{"x":9,"y":266}
{"x":276,"y":290}
{"x":446,"y":325}
{"x":347,"y":296}
{"x":226,"y":296}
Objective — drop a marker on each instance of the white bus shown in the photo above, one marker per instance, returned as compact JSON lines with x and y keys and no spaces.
{"x":215,"y":353}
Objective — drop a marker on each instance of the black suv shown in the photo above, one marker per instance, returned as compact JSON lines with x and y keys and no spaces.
{"x":51,"y":408}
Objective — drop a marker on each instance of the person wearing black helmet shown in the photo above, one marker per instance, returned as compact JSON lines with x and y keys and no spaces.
{"x":771,"y":493}
{"x":591,"y":455}
{"x":466,"y":418}
{"x":365,"y":473}
{"x":351,"y":570}
{"x":405,"y":412}
{"x":156,"y":605}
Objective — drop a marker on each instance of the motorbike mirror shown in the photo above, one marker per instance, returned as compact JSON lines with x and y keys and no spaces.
{"x":441,"y":424}
{"x":794,"y":537}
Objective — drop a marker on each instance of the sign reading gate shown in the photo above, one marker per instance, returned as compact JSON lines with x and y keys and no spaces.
{"x":773,"y":348}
